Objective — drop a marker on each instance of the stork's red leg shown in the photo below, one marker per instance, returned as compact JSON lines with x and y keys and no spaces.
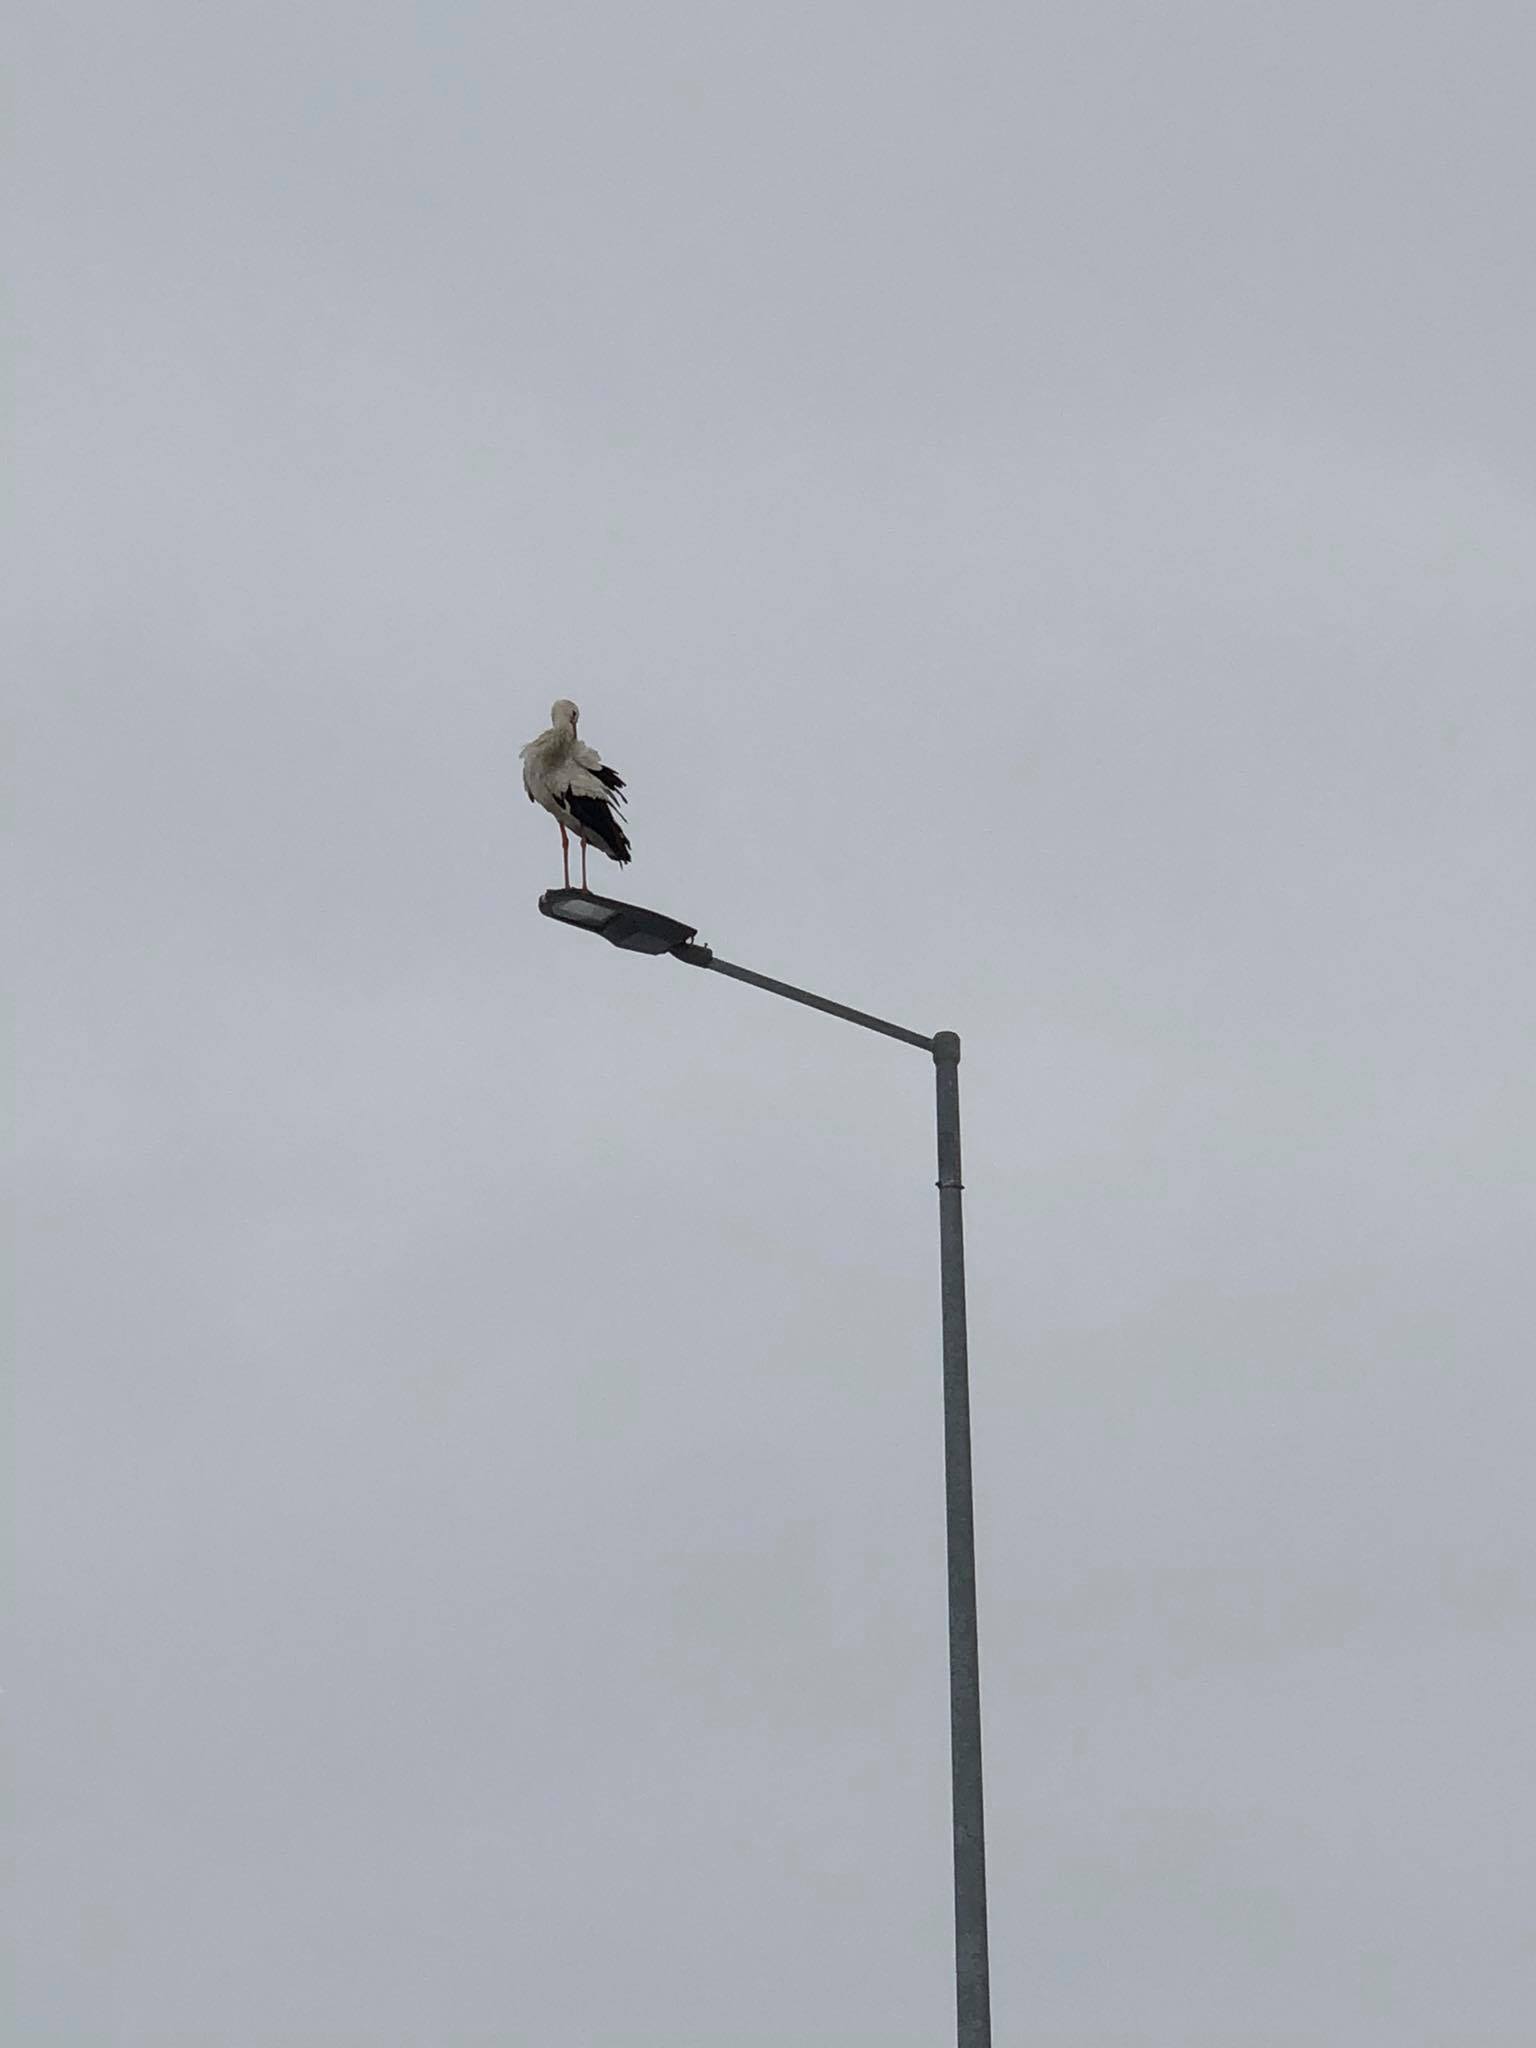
{"x":565,"y":853}
{"x":584,"y":890}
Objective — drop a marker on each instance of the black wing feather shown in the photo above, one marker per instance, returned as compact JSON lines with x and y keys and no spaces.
{"x":596,"y":819}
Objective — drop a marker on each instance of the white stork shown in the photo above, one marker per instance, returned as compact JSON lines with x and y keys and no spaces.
{"x":575,"y":788}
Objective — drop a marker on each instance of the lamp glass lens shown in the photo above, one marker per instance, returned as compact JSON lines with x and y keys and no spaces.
{"x":575,"y":911}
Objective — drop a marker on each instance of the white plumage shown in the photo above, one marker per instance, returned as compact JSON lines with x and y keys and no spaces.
{"x":579,"y":793}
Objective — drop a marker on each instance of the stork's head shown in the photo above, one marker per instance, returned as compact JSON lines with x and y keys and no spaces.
{"x":563,"y":713}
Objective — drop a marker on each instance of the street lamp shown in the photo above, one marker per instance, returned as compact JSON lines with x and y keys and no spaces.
{"x":637,"y":930}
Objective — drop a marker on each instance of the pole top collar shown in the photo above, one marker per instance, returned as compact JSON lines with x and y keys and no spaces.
{"x":946,"y":1048}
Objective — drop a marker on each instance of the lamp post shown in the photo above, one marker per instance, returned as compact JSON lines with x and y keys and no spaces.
{"x":637,"y":930}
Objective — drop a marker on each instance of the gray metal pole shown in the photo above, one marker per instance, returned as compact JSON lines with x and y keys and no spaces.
{"x":973,"y":1997}
{"x":706,"y":956}
{"x":973,"y":1993}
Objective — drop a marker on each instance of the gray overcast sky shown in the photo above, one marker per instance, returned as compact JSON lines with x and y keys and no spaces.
{"x":1040,"y":502}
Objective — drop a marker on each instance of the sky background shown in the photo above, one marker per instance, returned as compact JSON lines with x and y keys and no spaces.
{"x":1040,"y":504}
